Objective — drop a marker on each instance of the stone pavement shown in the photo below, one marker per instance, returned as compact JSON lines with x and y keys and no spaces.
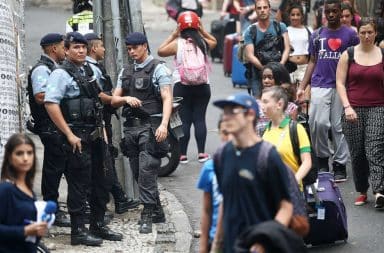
{"x":173,"y":236}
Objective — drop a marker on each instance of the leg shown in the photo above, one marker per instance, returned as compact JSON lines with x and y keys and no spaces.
{"x":201,"y":100}
{"x":355,"y":137}
{"x":319,"y":124}
{"x":101,"y":186}
{"x":148,"y":167}
{"x":375,"y":147}
{"x":185,"y":114}
{"x":54,"y":165}
{"x":78,"y":178}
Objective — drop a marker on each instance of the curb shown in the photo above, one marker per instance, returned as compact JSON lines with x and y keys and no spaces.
{"x":183,"y":230}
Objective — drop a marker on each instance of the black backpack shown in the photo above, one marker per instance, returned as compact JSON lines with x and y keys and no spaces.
{"x":311,"y":177}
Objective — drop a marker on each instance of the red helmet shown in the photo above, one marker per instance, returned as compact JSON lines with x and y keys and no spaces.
{"x":188,"y":19}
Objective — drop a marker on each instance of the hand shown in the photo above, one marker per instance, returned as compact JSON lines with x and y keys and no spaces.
{"x":36,"y":229}
{"x":176,"y":32}
{"x":161,"y":133}
{"x":217,"y":247}
{"x":223,"y":14}
{"x":257,"y":248}
{"x":350,"y":114}
{"x":133,"y":102}
{"x":75,"y":142}
{"x":300,"y":95}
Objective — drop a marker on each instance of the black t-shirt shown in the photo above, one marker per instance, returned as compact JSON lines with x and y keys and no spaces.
{"x":251,"y":194}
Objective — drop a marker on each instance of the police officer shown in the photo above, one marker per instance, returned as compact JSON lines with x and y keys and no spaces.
{"x":96,"y":52}
{"x":82,"y":20}
{"x":52,"y":45}
{"x":144,"y":91}
{"x":72,"y":104}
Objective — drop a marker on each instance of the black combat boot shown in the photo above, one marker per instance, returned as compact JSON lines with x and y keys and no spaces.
{"x":146,"y":219}
{"x":108,"y":217}
{"x":158,"y":215}
{"x":81,"y":235}
{"x":340,"y":172}
{"x":122,"y":202}
{"x":323,"y":164}
{"x":62,"y":219}
{"x":100,"y":230}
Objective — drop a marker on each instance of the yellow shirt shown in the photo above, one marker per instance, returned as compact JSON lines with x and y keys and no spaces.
{"x":280,"y":138}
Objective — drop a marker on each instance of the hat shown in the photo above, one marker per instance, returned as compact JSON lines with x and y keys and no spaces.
{"x":188,"y":19}
{"x":239,"y":99}
{"x":76,"y":37}
{"x":92,"y":36}
{"x":135,"y":38}
{"x":51,"y":38}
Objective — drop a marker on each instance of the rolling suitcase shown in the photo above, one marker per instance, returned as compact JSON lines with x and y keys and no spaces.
{"x":220,"y":28}
{"x":326,"y":212}
{"x":238,"y":69}
{"x":229,"y":41}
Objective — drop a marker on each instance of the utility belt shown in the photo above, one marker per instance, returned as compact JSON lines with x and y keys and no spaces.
{"x":136,"y":122}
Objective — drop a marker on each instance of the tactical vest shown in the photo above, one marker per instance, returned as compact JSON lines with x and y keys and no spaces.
{"x":38,"y":112}
{"x":82,"y":22}
{"x":138,"y":83}
{"x":81,"y":110}
{"x":107,"y":79}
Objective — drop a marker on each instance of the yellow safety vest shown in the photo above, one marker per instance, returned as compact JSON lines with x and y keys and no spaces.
{"x":82,"y":22}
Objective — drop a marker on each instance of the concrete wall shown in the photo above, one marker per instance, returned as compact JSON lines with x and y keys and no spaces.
{"x":64,"y":3}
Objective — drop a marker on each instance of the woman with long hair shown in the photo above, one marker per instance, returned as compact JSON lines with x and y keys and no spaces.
{"x":359,"y":83}
{"x":195,"y":95}
{"x":18,"y":210}
{"x":348,"y":17}
{"x":274,"y":102}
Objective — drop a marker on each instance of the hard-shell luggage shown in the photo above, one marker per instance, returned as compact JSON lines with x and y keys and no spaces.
{"x":220,"y":28}
{"x":229,"y":41}
{"x":326,"y":212}
{"x":238,"y":69}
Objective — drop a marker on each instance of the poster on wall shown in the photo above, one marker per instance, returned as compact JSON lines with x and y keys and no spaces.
{"x":9,"y":96}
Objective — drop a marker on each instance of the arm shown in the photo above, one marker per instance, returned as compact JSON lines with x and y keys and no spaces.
{"x":341,"y":78}
{"x":105,"y":98}
{"x":211,"y":41}
{"x":57,"y":117}
{"x":285,"y":54}
{"x":206,"y":215}
{"x":217,"y":244}
{"x":119,"y":100}
{"x":284,"y":214}
{"x":250,"y":55}
{"x":306,"y":164}
{"x":166,"y":96}
{"x":169,"y":46}
{"x":39,"y":98}
{"x":224,"y":8}
{"x":307,"y":78}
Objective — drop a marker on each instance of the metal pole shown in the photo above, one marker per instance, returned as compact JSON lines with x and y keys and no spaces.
{"x":135,"y":15}
{"x":97,"y":17}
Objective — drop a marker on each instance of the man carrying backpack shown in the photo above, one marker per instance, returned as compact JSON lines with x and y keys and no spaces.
{"x":265,"y":41}
{"x":250,"y":174}
{"x":325,"y":48}
{"x":54,"y":158}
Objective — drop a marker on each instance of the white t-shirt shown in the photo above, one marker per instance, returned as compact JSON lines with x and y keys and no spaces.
{"x":299,"y":40}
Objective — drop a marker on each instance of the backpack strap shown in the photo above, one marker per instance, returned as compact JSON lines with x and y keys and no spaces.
{"x":316,"y":41}
{"x":277,"y":27}
{"x":294,"y":139}
{"x":308,"y":31}
{"x":262,"y":157}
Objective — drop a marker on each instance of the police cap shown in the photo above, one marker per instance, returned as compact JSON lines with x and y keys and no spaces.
{"x":76,"y":37}
{"x":51,"y":38}
{"x":136,"y":38}
{"x":92,"y":36}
